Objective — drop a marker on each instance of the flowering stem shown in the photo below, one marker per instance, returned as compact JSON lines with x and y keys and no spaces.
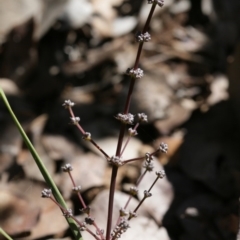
{"x":128,"y":139}
{"x":74,"y":218}
{"x":130,"y":197}
{"x":79,"y":194}
{"x":84,"y":132}
{"x":41,"y":166}
{"x":84,"y":205}
{"x":122,"y":130}
{"x":110,"y":203}
{"x":140,"y":158}
{"x":140,"y":203}
{"x":100,"y":149}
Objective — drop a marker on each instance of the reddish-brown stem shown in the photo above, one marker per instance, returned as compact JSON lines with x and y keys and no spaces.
{"x":79,"y":194}
{"x":100,"y":149}
{"x":141,"y":177}
{"x":140,"y":203}
{"x":130,"y":197}
{"x":128,"y":139}
{"x":84,"y":205}
{"x":98,"y":230}
{"x":138,"y":206}
{"x":139,"y":158}
{"x":78,"y":125}
{"x":75,"y":219}
{"x":122,"y":130}
{"x":153,"y":184}
{"x":110,"y":203}
{"x":133,"y":159}
{"x":146,"y":26}
{"x":84,"y":132}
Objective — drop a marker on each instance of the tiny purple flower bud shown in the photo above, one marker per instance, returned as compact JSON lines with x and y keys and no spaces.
{"x":114,"y":160}
{"x":82,"y":228}
{"x":67,"y":167}
{"x":87,"y":136}
{"x":147,"y":194}
{"x":132,"y":214}
{"x":75,"y":120}
{"x":160,"y":3}
{"x":143,"y":37}
{"x":77,"y":189}
{"x":148,"y":157}
{"x":125,"y":118}
{"x":135,"y":73}
{"x":161,"y":174}
{"x":46,"y":193}
{"x":142,"y":117}
{"x":99,"y":231}
{"x":123,"y":212}
{"x":133,"y":191}
{"x":149,"y":166}
{"x":163,"y":147}
{"x":85,"y":210}
{"x":68,"y":104}
{"x":68,"y":213}
{"x":132,"y":132}
{"x":89,"y":220}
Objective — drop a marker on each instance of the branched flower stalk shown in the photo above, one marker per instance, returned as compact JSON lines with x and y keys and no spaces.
{"x":116,"y":161}
{"x":135,"y":74}
{"x":125,"y":118}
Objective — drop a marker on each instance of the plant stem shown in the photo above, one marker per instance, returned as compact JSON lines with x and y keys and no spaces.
{"x":122,"y":130}
{"x":3,"y":233}
{"x":80,"y":128}
{"x":111,"y":198}
{"x":41,"y":166}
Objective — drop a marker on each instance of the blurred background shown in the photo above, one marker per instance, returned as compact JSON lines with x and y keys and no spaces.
{"x":53,"y":50}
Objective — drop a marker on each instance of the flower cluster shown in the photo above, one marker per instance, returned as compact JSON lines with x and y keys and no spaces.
{"x":125,"y":118}
{"x":120,"y":229}
{"x":132,"y":132}
{"x":89,"y":220}
{"x":161,"y":174}
{"x":67,"y":167}
{"x":46,"y":193}
{"x":68,"y":213}
{"x":135,"y":73}
{"x":163,"y":147}
{"x":75,"y":120}
{"x":123,"y":212}
{"x":68,"y":104}
{"x":87,"y":136}
{"x":133,"y":191}
{"x":148,"y":164}
{"x":147,"y":194}
{"x":77,"y":189}
{"x":143,"y":37}
{"x":115,"y":160}
{"x":142,"y":117}
{"x":160,"y":3}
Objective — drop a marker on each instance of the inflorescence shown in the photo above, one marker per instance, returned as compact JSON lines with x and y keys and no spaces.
{"x":128,"y":119}
{"x":135,"y":73}
{"x":160,"y":3}
{"x":125,"y":118}
{"x":143,"y":37}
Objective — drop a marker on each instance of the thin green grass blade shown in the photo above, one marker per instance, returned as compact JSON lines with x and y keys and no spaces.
{"x":42,"y":168}
{"x":3,"y":233}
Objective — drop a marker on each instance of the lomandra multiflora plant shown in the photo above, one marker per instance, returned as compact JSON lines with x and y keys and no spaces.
{"x":126,"y":119}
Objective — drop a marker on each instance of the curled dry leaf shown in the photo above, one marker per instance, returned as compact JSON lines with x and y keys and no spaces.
{"x":18,"y":215}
